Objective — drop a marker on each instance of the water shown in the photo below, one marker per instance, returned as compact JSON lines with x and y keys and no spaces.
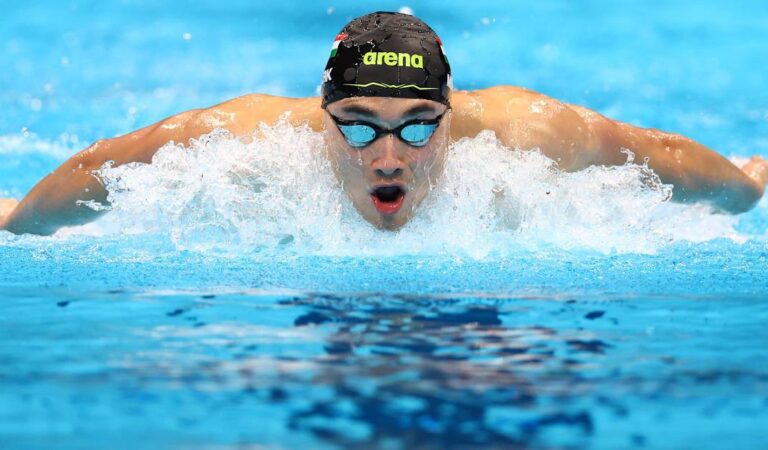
{"x":233,"y":299}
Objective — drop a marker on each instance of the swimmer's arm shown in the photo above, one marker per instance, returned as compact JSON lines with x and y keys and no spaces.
{"x":577,"y":138}
{"x":57,"y":200}
{"x":697,"y":173}
{"x":6,"y":206}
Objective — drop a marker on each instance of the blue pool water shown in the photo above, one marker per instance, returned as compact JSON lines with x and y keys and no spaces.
{"x":207,"y":313}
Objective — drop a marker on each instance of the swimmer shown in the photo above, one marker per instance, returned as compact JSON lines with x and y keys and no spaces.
{"x":388,"y":113}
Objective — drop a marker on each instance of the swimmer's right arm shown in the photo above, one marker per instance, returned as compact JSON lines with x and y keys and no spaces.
{"x":58,"y":200}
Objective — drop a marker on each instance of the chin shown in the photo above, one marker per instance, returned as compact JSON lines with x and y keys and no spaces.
{"x":392,"y":223}
{"x":386,"y":222}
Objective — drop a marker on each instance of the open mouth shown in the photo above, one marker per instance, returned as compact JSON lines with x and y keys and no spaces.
{"x":388,"y":199}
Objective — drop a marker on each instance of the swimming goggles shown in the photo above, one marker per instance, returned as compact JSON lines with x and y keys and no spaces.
{"x":415,"y":133}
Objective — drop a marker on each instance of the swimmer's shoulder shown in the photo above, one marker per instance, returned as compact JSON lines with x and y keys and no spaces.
{"x":491,"y":108}
{"x":245,"y":114}
{"x":525,"y":119}
{"x":496,"y":91}
{"x":497,"y":99}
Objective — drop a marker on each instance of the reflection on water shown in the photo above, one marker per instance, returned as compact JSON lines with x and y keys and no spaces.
{"x":447,"y":376}
{"x":367,"y":371}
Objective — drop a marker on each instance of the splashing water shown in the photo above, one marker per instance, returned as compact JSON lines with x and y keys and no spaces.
{"x":276,"y":193}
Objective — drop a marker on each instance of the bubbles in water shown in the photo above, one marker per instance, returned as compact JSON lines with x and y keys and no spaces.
{"x":36,"y":104}
{"x":275,"y":193}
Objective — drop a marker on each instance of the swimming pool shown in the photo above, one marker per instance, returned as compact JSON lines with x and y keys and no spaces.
{"x":208,"y":312}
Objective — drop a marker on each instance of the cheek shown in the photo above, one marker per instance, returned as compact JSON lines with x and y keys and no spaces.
{"x":430,"y":160}
{"x":349,"y":166}
{"x":343,"y":159}
{"x":427,"y":164}
{"x":353,"y":162}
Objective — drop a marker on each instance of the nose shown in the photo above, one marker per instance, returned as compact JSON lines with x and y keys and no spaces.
{"x":388,"y":163}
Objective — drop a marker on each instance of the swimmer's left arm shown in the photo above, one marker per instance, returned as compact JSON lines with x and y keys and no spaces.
{"x":576,"y":138}
{"x":696,"y":172}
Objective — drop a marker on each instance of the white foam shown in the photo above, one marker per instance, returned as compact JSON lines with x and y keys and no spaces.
{"x":277,"y":194}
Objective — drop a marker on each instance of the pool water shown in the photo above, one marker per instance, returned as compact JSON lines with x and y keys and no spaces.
{"x":234,"y":299}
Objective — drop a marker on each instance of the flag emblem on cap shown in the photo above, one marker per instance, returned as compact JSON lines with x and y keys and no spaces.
{"x":440,"y":43}
{"x":336,"y":43}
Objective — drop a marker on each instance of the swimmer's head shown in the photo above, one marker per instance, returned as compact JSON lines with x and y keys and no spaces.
{"x":386,"y":54}
{"x":386,"y":93}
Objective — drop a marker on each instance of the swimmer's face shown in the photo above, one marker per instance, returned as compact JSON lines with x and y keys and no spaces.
{"x":388,"y":178}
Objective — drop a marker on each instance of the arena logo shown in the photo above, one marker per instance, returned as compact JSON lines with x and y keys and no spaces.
{"x":393,"y":59}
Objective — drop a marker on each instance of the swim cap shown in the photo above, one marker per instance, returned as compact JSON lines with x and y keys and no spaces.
{"x":386,"y":54}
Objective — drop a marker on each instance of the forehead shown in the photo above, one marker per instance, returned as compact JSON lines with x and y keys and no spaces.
{"x":385,"y":108}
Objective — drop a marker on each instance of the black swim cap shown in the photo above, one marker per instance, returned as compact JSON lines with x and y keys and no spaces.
{"x":386,"y":54}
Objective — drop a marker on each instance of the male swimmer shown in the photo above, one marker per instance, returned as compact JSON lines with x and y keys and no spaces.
{"x":389,"y":113}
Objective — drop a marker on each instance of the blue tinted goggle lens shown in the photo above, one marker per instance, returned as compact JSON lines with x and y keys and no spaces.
{"x":358,"y":135}
{"x":418,"y":134}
